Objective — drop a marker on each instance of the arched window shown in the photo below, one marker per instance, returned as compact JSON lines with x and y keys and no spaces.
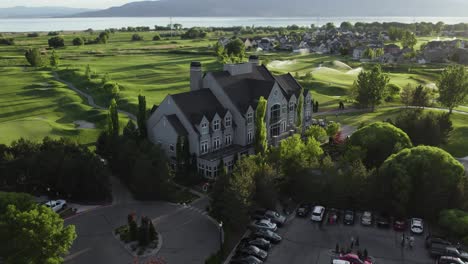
{"x":275,"y":114}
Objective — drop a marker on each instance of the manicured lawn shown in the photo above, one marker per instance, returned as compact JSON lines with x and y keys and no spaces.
{"x":33,"y":105}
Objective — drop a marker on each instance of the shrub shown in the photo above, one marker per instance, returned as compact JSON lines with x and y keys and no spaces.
{"x":53,"y":33}
{"x":78,"y":41}
{"x":137,"y":37}
{"x":111,"y":88}
{"x":33,"y":35}
{"x":157,"y":37}
{"x":7,"y":41}
{"x":56,"y":42}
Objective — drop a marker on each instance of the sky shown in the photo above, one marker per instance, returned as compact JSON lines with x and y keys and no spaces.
{"x":97,"y":4}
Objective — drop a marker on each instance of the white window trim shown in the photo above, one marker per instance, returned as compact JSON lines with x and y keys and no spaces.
{"x":202,"y":149}
{"x":228,"y":121}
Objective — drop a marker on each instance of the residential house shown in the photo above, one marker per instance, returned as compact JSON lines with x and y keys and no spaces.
{"x":217,"y":115}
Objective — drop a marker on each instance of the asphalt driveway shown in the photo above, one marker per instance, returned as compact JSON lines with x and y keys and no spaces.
{"x":189,"y":236}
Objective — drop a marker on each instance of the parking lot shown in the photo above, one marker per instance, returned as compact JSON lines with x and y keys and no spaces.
{"x":305,"y":242}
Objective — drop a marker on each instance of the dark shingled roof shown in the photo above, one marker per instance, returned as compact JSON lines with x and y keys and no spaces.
{"x":196,"y":104}
{"x":177,"y":125}
{"x":289,"y":85}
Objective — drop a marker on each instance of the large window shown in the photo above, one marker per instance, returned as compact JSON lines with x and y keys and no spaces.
{"x":275,"y":130}
{"x":228,"y":122}
{"x":228,"y":140}
{"x":291,"y":106}
{"x":204,"y":147}
{"x":249,"y":137}
{"x":216,"y":143}
{"x":275,"y":114}
{"x":204,"y":128}
{"x":216,"y":125}
{"x":249,"y":118}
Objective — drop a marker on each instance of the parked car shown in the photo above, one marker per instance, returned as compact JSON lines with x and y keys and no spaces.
{"x":268,"y":235}
{"x":243,"y":259}
{"x":263,"y":224}
{"x":354,"y":259}
{"x":366,"y":218}
{"x":303,"y":210}
{"x":348,"y":218}
{"x":261,"y":243}
{"x":252,"y":251}
{"x":339,"y":261}
{"x":436,"y":240}
{"x":383,"y":220}
{"x":275,"y":217}
{"x":449,"y":260}
{"x":417,"y":226}
{"x":56,"y":205}
{"x":333,"y":216}
{"x":438,"y":250}
{"x":399,"y":224}
{"x":317,"y":213}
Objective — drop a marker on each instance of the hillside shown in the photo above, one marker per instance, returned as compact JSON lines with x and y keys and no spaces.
{"x":36,"y":12}
{"x":281,"y":8}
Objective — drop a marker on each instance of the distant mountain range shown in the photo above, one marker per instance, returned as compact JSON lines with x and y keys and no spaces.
{"x":285,"y":8}
{"x":34,"y":12}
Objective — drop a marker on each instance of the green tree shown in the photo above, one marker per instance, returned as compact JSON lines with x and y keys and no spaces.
{"x":111,"y":88}
{"x":142,"y":116}
{"x":34,"y":57}
{"x":369,"y":53}
{"x":300,"y":110}
{"x":194,"y":33}
{"x":379,"y":52}
{"x":35,"y":235}
{"x":421,"y":96}
{"x":88,"y":73}
{"x":371,"y":87}
{"x":421,"y":175}
{"x":261,"y":143}
{"x":78,"y":41}
{"x":156,"y":37}
{"x":378,"y":141}
{"x":453,"y":86}
{"x":56,"y":42}
{"x":54,"y":59}
{"x":137,"y":37}
{"x":113,"y":127}
{"x":220,"y":52}
{"x":332,"y":129}
{"x":346,"y":26}
{"x":425,"y":128}
{"x":130,"y":130}
{"x":318,"y":133}
{"x":407,"y":95}
{"x":235,"y":50}
{"x":408,"y":40}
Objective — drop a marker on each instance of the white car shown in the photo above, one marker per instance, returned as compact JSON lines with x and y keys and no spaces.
{"x":56,"y":205}
{"x":417,"y":225}
{"x":317,"y":213}
{"x":366,"y":218}
{"x":264,"y":224}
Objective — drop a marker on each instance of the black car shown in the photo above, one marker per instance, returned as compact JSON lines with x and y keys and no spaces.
{"x":243,"y":259}
{"x":383,"y":221}
{"x":261,"y":243}
{"x":249,"y":250}
{"x":348,"y":218}
{"x":268,"y":235}
{"x":303,"y":210}
{"x":436,"y":240}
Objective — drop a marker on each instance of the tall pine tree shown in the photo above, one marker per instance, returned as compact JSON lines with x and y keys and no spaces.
{"x":261,"y":144}
{"x":113,"y":119}
{"x":141,"y":118}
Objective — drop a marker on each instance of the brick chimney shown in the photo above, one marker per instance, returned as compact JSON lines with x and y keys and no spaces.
{"x":196,"y":76}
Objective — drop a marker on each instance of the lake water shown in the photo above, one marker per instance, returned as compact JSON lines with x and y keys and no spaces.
{"x":70,"y":24}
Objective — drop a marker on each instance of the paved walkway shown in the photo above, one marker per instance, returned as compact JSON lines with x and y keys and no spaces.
{"x":89,"y":98}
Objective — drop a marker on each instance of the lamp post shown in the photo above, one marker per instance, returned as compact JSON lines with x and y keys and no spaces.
{"x":221,"y":235}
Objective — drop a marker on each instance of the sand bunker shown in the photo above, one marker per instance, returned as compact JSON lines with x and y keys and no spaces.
{"x":81,"y":124}
{"x":281,"y":64}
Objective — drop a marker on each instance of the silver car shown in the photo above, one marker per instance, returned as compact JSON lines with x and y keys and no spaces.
{"x":263,"y":224}
{"x":275,"y":217}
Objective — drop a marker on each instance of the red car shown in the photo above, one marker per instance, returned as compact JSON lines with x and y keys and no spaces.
{"x":354,"y":259}
{"x":399,"y":224}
